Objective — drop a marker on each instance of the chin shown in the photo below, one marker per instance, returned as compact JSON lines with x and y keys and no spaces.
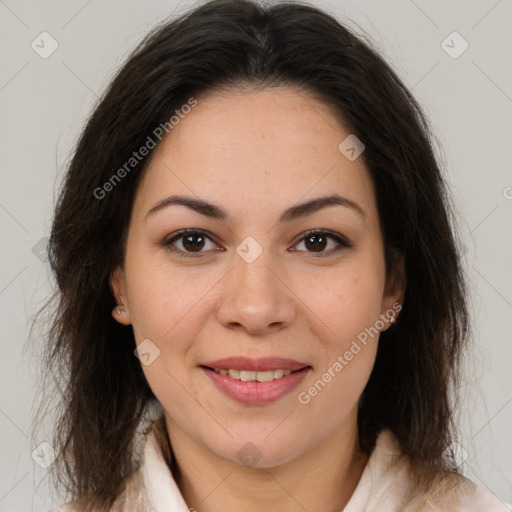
{"x":259,"y":451}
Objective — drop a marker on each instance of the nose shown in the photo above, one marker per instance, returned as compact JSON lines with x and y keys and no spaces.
{"x":256,"y":297}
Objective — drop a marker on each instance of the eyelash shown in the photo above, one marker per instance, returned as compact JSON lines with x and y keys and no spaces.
{"x":343,"y":243}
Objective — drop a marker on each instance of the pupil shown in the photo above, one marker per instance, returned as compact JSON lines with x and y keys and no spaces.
{"x":319,"y":246}
{"x":189,"y":245}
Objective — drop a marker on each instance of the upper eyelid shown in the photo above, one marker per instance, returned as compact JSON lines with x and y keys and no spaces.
{"x":189,"y":231}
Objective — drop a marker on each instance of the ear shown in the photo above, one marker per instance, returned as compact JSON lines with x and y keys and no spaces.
{"x":394,"y":291}
{"x":121,"y":312}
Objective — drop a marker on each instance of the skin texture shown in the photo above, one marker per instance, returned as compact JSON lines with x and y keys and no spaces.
{"x":255,"y":153}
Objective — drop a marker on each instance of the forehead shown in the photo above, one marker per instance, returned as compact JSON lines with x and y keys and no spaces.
{"x":254,"y":149}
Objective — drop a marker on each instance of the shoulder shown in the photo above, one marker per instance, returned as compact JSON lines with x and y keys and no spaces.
{"x":463,"y":495}
{"x":389,"y":487}
{"x":132,"y":498}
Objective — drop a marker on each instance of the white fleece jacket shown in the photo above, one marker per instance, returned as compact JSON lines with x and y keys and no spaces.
{"x":384,"y":487}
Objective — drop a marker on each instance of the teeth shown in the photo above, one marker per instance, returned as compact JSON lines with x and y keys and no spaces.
{"x":234,"y":374}
{"x":265,"y":376}
{"x":251,"y":376}
{"x":247,"y":376}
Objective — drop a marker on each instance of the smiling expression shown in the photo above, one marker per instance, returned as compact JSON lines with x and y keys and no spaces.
{"x":245,"y":172}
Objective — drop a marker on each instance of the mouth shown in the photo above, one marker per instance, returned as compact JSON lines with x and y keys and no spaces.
{"x":254,"y":376}
{"x":254,"y":388}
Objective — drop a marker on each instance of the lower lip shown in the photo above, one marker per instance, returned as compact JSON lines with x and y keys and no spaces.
{"x":256,"y":393}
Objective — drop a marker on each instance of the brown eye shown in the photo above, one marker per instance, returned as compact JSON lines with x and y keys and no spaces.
{"x":192,"y":243}
{"x":317,"y":241}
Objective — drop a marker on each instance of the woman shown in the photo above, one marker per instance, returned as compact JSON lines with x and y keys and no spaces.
{"x":261,"y":304}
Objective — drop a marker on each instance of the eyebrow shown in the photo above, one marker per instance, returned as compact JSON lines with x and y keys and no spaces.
{"x":290,"y":214}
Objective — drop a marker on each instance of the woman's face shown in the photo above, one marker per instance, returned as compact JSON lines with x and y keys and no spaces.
{"x":252,"y":284}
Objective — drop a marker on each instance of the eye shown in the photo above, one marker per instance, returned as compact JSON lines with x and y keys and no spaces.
{"x":317,"y":241}
{"x":192,"y":241}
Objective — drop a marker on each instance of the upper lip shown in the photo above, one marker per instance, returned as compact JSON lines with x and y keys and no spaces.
{"x":256,"y":365}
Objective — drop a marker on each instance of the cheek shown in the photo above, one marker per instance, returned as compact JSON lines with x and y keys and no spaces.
{"x":165,"y":310}
{"x":353,"y":335}
{"x":168,"y":307}
{"x":347,"y":300}
{"x":346,"y":307}
{"x":161,"y":298}
{"x":350,"y":308}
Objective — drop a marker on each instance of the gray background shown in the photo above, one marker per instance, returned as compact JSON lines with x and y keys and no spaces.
{"x":45,"y":102}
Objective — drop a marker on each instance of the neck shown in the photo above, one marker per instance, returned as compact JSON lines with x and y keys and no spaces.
{"x":322,"y":479}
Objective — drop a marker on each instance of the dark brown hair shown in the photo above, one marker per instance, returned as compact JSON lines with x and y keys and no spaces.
{"x":236,"y":43}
